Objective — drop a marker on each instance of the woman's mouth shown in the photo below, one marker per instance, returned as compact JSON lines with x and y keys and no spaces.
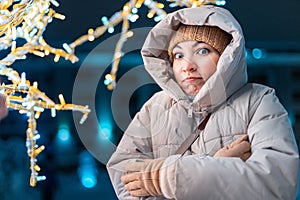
{"x":190,"y":79}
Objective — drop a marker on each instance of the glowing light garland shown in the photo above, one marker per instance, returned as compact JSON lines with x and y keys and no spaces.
{"x":29,"y":100}
{"x":129,"y":15}
{"x":27,"y":20}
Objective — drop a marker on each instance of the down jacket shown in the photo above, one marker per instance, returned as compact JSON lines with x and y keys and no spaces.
{"x":236,"y":108}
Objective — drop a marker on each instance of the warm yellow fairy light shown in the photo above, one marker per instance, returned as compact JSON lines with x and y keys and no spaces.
{"x":160,"y":5}
{"x":37,"y":151}
{"x":126,"y":7}
{"x":37,"y":168}
{"x":59,"y":16}
{"x":62,"y":99}
{"x":56,"y":58}
{"x":37,"y":115}
{"x":91,"y":38}
{"x":129,"y":34}
{"x":35,"y":85}
{"x":38,"y":53}
{"x":151,"y":14}
{"x":47,"y":52}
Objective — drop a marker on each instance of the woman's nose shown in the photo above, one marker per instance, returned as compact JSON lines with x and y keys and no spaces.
{"x":188,"y":66}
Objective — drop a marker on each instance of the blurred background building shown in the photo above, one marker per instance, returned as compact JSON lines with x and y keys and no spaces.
{"x":272,"y":34}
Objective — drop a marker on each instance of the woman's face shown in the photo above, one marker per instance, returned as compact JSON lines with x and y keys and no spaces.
{"x":194,"y":62}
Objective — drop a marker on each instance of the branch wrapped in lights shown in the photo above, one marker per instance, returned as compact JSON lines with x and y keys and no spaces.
{"x":29,"y":100}
{"x":27,"y":20}
{"x":127,"y":15}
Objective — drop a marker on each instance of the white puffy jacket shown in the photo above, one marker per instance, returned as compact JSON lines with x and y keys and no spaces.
{"x":236,"y":108}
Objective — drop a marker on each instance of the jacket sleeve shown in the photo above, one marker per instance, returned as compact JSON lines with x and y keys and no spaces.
{"x":270,"y":173}
{"x":135,"y":144}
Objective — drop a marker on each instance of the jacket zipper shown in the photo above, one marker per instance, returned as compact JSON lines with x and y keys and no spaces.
{"x":190,"y":111}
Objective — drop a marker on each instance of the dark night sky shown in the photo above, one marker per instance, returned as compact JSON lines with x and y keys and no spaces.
{"x":271,"y":23}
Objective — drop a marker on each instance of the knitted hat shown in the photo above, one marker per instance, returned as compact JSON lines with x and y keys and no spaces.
{"x":212,"y":35}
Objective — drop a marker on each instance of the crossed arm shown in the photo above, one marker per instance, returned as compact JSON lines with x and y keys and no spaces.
{"x":142,"y":177}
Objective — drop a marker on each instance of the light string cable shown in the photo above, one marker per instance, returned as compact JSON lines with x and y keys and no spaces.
{"x":27,"y":20}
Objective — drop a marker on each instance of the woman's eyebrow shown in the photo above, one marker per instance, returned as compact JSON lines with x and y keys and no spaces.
{"x":193,"y":45}
{"x":197,"y":43}
{"x":177,"y":46}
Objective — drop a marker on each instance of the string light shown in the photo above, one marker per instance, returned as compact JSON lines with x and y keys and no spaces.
{"x":129,"y":14}
{"x":33,"y":104}
{"x":26,"y":20}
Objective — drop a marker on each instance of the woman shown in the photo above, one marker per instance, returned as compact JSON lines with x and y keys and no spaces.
{"x":247,"y":149}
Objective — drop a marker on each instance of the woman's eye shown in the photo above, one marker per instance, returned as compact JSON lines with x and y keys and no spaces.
{"x":203,"y":51}
{"x":178,"y":55}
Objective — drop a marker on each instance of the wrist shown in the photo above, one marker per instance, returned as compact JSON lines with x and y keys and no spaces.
{"x":167,"y":176}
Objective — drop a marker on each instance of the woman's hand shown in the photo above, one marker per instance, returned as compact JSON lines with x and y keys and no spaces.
{"x":142,"y":178}
{"x":239,"y":148}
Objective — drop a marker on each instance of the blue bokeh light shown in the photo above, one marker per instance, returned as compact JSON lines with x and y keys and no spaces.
{"x":105,"y":130}
{"x":257,"y":53}
{"x":63,"y":133}
{"x":87,"y":170}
